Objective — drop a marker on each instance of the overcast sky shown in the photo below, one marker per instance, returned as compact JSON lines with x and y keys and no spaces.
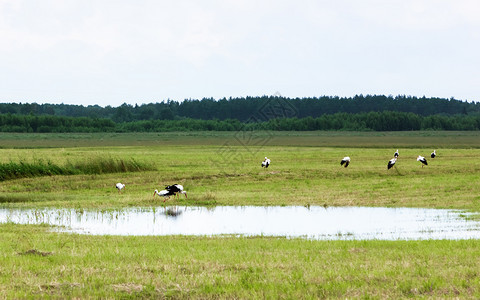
{"x":138,"y":51}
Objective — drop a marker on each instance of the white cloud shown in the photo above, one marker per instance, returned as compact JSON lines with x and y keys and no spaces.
{"x":87,"y":51}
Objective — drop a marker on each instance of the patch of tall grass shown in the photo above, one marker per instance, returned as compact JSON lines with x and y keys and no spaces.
{"x":101,"y":165}
{"x":14,"y":170}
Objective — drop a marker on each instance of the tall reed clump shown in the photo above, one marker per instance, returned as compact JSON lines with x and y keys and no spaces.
{"x":15,"y":170}
{"x":101,"y":165}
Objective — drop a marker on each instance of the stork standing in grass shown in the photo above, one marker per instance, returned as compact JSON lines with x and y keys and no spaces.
{"x":395,"y":155}
{"x":346,"y":161}
{"x":423,"y":160}
{"x":433,"y":154}
{"x":176,"y":189}
{"x":266,"y":162}
{"x":391,"y":163}
{"x":120,"y":186}
{"x":163,"y":193}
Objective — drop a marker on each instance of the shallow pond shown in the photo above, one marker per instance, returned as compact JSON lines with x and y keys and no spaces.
{"x":314,"y":222}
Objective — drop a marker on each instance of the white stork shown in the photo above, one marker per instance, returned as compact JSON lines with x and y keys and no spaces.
{"x":346,"y":161}
{"x":163,"y":193}
{"x":395,"y":154}
{"x":266,"y":162}
{"x":120,"y":186}
{"x":391,"y":163}
{"x":176,"y":189}
{"x":423,"y":160}
{"x":433,"y":154}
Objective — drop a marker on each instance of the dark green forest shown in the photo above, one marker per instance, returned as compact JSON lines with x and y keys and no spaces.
{"x":366,"y":113}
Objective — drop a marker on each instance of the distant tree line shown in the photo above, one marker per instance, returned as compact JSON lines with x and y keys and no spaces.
{"x":243,"y":109}
{"x":370,"y":121}
{"x":31,"y":123}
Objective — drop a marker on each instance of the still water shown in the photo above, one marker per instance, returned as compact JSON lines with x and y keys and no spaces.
{"x":315,"y":222}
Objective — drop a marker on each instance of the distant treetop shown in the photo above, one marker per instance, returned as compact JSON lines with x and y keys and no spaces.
{"x":243,"y":109}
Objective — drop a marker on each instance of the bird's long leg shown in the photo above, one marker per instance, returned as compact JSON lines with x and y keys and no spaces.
{"x":398,"y":172}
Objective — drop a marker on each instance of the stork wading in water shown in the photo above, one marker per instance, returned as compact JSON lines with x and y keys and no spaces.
{"x":120,"y":186}
{"x":345,"y":161}
{"x":395,"y":155}
{"x":433,"y":154}
{"x":423,"y":160}
{"x":391,"y":163}
{"x":265,"y":162}
{"x":176,"y":189}
{"x":163,"y":193}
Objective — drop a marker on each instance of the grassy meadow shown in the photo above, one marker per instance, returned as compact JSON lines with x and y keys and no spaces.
{"x":223,"y":168}
{"x":35,"y":263}
{"x":229,"y":173}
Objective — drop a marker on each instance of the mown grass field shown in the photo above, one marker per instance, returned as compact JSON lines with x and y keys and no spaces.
{"x":224,"y":169}
{"x":35,"y":263}
{"x":445,"y":139}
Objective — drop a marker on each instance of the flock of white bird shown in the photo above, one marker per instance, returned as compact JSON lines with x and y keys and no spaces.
{"x":346,"y":160}
{"x":177,"y":189}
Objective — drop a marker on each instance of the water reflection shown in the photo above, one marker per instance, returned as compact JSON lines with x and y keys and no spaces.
{"x":314,"y":222}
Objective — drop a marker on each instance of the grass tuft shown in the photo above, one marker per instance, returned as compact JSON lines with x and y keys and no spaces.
{"x":14,"y":170}
{"x":22,"y":169}
{"x":108,"y":165}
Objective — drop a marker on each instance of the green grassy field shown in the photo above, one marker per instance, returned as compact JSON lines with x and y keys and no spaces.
{"x":35,"y":263}
{"x":230,"y":174}
{"x":444,"y":139}
{"x":224,"y":169}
